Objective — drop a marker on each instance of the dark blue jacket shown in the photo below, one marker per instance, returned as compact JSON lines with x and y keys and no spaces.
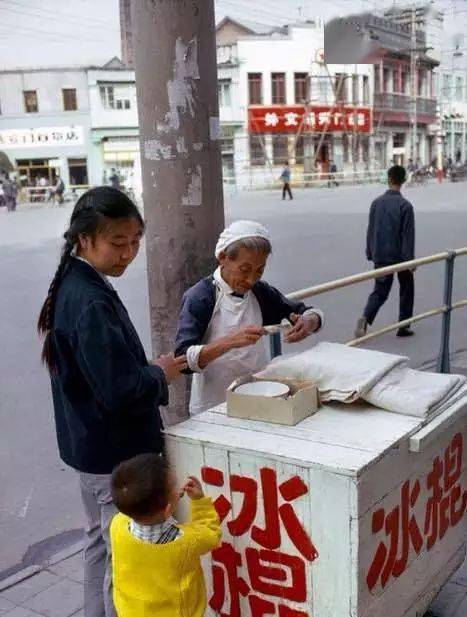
{"x":105,"y":394}
{"x":391,"y":229}
{"x":198,"y":306}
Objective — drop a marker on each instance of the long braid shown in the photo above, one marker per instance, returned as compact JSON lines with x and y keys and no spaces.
{"x":45,"y":321}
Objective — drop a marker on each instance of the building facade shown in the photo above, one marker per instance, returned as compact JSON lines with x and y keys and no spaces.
{"x":452,"y":93}
{"x":79,"y":123}
{"x":45,"y":124}
{"x":280,"y":75}
{"x":113,"y":124}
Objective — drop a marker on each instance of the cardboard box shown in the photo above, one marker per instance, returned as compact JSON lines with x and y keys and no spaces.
{"x":298,"y":405}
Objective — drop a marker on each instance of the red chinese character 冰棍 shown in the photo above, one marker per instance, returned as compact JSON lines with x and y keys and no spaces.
{"x":393,"y":561}
{"x":228,"y":557}
{"x":447,"y":502}
{"x":271,"y":572}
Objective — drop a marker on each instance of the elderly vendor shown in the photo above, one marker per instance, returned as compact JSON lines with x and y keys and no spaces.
{"x":220,"y":326}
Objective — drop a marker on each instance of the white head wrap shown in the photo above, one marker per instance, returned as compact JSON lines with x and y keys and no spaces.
{"x":239,"y":231}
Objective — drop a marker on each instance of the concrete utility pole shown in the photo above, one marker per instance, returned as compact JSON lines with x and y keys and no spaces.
{"x":176,"y":80}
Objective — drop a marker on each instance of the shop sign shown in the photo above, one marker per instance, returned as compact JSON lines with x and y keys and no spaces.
{"x":315,"y":118}
{"x":41,"y":137}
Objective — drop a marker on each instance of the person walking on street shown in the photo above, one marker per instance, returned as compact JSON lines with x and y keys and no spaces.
{"x":58,"y":190}
{"x":10,"y":191}
{"x":285,"y":177}
{"x":114,"y":179}
{"x":390,"y":240}
{"x":332,"y":174}
{"x":106,"y":394}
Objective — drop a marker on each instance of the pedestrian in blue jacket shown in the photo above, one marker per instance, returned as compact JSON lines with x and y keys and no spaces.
{"x":390,"y":240}
{"x":106,"y":395}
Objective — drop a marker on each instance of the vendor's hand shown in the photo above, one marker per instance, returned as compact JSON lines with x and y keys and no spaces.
{"x":249,"y":335}
{"x":171,"y":366}
{"x":193,"y":488}
{"x":301,"y":328}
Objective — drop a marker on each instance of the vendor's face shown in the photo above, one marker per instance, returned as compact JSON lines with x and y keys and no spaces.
{"x":244,"y":271}
{"x":113,"y":250}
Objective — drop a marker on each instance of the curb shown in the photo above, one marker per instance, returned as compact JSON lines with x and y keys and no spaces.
{"x":31,"y":571}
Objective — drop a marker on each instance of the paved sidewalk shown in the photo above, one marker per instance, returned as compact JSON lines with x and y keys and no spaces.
{"x":56,"y":590}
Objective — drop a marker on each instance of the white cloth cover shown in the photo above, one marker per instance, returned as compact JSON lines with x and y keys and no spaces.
{"x":342,"y":373}
{"x":239,"y":231}
{"x":346,"y":374}
{"x":416,"y":393}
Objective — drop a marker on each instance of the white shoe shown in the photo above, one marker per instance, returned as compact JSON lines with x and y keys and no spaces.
{"x":361,"y":328}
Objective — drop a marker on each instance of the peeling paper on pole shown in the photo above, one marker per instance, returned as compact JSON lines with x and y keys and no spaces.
{"x":155,"y":150}
{"x":193,"y":195}
{"x":180,"y":88}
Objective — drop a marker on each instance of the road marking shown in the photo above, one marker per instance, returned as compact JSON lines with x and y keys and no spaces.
{"x":27,"y":501}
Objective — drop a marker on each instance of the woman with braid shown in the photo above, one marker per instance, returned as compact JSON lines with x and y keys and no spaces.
{"x":106,"y":394}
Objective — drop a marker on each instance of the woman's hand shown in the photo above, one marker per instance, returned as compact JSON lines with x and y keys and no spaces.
{"x":171,"y":366}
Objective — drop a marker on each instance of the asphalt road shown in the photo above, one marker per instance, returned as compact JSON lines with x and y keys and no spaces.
{"x":317,"y":237}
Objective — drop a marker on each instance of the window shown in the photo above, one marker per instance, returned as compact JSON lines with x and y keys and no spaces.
{"x":447,"y":86}
{"x":366,"y":90}
{"x":420,"y":82}
{"x":299,"y":150}
{"x":30,"y":101}
{"x":377,"y":75}
{"x":69,"y":99}
{"x":301,"y":87}
{"x":115,"y":96}
{"x":405,"y":83}
{"x":386,"y":77}
{"x":255,"y":93}
{"x":395,"y":81}
{"x":256,"y":150}
{"x":459,"y":88}
{"x":340,"y":87}
{"x":280,"y":149}
{"x":398,"y":140}
{"x":278,"y":88}
{"x":223,"y":91}
{"x":78,"y":171}
{"x":355,"y":97}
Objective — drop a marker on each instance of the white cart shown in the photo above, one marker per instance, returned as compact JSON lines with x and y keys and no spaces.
{"x":353,"y":512}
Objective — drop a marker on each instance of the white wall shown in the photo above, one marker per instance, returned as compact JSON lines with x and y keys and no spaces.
{"x":111,"y":118}
{"x":48,"y":85}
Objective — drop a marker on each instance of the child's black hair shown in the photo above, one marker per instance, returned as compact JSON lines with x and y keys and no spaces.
{"x":91,"y":215}
{"x":141,"y":485}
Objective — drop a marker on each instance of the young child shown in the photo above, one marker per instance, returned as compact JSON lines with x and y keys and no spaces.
{"x":156,"y":565}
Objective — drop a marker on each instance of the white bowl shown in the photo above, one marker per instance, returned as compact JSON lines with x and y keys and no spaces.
{"x":273,"y":389}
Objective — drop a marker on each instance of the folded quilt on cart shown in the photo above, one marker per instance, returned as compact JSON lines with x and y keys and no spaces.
{"x":347,"y":374}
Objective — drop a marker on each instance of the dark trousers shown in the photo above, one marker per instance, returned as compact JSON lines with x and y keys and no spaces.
{"x":381,"y":291}
{"x":286,"y":189}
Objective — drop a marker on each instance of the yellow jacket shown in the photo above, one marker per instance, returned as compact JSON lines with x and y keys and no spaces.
{"x":163,"y":580}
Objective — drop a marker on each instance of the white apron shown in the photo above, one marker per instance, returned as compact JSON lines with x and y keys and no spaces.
{"x":230,"y":313}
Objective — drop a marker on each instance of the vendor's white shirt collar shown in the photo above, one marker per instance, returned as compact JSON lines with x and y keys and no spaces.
{"x":223,"y":286}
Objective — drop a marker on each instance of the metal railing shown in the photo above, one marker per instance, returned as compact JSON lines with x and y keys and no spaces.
{"x":392,"y":101}
{"x":43,"y":194}
{"x":259,"y":181}
{"x":443,"y":362}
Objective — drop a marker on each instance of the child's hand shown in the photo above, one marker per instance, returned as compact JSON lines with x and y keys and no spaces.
{"x":193,"y":488}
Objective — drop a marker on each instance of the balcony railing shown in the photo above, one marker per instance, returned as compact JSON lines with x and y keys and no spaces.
{"x":402,"y":102}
